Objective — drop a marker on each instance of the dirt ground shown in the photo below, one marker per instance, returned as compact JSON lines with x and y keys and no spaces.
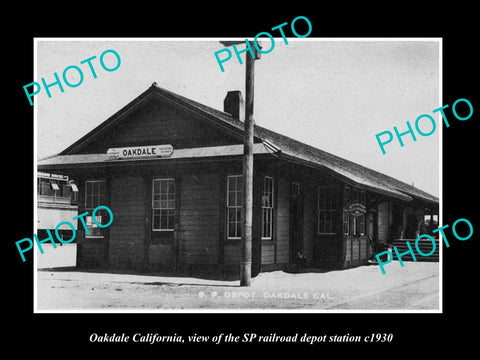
{"x":412,"y":287}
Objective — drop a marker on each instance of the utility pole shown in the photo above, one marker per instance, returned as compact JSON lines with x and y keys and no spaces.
{"x":247,"y":208}
{"x":247,"y":204}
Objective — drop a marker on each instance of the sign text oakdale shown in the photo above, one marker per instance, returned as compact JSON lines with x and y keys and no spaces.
{"x":141,"y":151}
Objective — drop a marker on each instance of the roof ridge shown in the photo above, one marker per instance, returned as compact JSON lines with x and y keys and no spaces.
{"x":357,"y":173}
{"x":397,"y":184}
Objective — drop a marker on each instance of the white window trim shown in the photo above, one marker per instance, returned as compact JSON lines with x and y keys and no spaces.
{"x":152,"y":208}
{"x":232,"y":207}
{"x":91,"y":181}
{"x":272,"y":208}
{"x":86,"y":208}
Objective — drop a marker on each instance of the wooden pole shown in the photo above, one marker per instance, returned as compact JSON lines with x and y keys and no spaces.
{"x":247,"y":207}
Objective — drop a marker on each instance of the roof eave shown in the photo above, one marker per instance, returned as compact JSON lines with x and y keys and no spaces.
{"x":345,"y":179}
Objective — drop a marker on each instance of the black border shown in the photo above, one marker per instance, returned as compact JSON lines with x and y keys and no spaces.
{"x":413,"y":333}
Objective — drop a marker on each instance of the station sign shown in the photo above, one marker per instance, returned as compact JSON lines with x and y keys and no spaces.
{"x":134,"y":152}
{"x":357,"y":209}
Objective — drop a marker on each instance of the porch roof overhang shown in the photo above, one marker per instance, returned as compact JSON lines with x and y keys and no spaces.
{"x":64,"y":162}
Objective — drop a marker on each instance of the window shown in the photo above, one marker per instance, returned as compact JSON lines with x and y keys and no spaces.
{"x":360,"y":225}
{"x":163,"y":205}
{"x":47,"y":187}
{"x":234,"y":206}
{"x":267,"y":208}
{"x":327,"y":210}
{"x":95,"y":195}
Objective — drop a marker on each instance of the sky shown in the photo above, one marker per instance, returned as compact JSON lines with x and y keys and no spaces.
{"x":335,"y":94}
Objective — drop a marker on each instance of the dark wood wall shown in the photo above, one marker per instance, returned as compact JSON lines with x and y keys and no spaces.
{"x":200,"y":239}
{"x":283,"y":220}
{"x":384,"y":221}
{"x":127,"y":232}
{"x":199,"y":219}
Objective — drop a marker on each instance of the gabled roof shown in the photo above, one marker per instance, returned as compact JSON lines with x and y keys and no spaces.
{"x":282,"y":145}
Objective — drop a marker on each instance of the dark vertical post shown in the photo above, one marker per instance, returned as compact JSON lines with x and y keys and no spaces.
{"x":247,"y":207}
{"x":148,"y":225}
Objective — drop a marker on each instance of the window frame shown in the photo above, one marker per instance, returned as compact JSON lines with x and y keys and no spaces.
{"x":270,"y":209}
{"x":160,"y":208}
{"x":236,"y":206}
{"x":333,"y":211}
{"x":90,"y":209}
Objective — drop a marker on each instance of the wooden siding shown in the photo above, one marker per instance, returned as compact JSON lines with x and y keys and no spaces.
{"x":268,"y":253}
{"x":161,"y":256}
{"x":283,"y":224}
{"x":127,"y":232}
{"x":383,"y":221}
{"x":231,"y":252}
{"x":329,"y":249}
{"x":309,"y":220}
{"x":91,"y":253}
{"x":159,"y":121}
{"x":199,"y":219}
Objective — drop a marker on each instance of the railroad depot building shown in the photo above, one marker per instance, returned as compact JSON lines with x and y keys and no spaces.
{"x":170,"y":169}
